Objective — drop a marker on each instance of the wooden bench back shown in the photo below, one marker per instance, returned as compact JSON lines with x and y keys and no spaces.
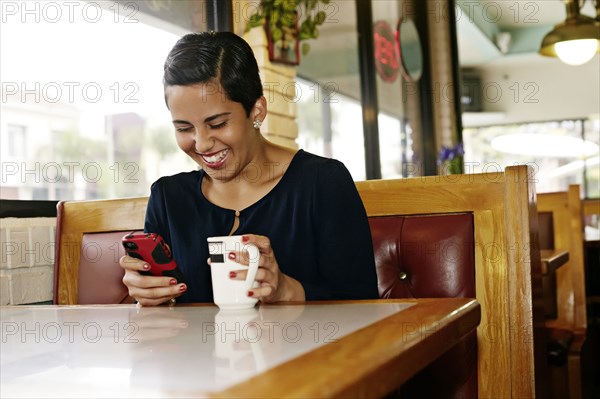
{"x":507,"y":265}
{"x":568,"y":234}
{"x":75,"y":219}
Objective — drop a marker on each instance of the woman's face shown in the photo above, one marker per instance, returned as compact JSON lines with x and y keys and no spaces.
{"x":213,"y":130}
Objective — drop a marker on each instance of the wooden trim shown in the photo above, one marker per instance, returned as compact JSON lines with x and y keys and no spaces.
{"x":525,"y":292}
{"x":576,"y":254}
{"x":372,"y":361}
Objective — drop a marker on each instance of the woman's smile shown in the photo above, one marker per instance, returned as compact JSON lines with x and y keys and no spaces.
{"x":215,"y":160}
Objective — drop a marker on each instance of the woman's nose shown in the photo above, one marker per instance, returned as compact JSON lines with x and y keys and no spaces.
{"x":202,"y":141}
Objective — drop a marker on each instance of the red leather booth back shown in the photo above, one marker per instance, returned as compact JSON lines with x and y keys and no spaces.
{"x":100,"y":275}
{"x":431,"y":256}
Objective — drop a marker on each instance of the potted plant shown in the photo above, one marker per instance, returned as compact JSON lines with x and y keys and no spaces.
{"x":451,"y":159}
{"x":288,"y":23}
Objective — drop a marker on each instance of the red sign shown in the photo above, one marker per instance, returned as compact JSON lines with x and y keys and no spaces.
{"x":386,"y":52}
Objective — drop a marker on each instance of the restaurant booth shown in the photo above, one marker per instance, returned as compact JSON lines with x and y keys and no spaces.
{"x":485,"y":271}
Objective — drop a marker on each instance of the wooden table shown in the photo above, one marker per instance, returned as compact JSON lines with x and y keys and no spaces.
{"x":315,"y":349}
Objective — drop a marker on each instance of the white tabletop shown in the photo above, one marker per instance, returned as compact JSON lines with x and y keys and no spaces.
{"x":183,"y":351}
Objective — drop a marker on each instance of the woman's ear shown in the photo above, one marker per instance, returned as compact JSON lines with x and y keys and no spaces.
{"x":259,"y":111}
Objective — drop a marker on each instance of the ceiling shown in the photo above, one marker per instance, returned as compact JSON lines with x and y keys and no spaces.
{"x":491,"y":30}
{"x":482,"y":27}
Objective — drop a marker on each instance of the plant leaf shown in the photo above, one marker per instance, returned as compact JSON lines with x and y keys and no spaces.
{"x":304,"y":36}
{"x":320,"y":17}
{"x":276,"y":34}
{"x":255,"y":20}
{"x":305,"y":48}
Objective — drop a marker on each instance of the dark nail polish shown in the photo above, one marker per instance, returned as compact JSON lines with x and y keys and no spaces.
{"x":146,"y":266}
{"x":231,"y":255}
{"x":232,"y":274}
{"x":250,"y":293}
{"x":245,"y":238}
{"x":182,"y":288}
{"x":173,"y":281}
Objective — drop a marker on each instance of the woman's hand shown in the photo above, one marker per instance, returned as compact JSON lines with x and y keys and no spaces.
{"x":148,"y":290}
{"x":274,"y":286}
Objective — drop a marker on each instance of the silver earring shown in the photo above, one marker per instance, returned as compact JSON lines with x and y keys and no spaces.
{"x":256,"y":124}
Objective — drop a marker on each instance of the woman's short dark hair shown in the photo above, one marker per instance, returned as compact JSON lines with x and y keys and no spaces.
{"x":222,"y":56}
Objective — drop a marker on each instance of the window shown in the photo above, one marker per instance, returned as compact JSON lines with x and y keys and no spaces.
{"x":16,"y":138}
{"x":330,"y":125}
{"x":329,"y":109}
{"x":83,"y":111}
{"x":560,"y":152}
{"x":330,"y":121}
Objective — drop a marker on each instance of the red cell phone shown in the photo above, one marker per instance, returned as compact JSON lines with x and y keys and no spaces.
{"x":151,"y":247}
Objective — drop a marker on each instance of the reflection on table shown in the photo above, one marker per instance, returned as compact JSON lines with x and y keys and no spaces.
{"x":191,"y":351}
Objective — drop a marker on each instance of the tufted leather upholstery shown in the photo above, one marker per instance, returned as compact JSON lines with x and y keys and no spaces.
{"x":100,"y":276}
{"x":424,"y":256}
{"x":430,"y":256}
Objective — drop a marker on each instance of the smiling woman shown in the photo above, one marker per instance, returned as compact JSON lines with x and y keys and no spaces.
{"x":302,"y":211}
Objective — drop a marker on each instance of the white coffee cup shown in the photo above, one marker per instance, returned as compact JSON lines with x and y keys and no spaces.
{"x":229,"y":293}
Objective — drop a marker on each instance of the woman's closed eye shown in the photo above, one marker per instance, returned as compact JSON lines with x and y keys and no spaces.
{"x":183,"y":129}
{"x":218,"y":125}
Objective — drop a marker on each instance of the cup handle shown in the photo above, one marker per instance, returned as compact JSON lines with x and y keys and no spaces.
{"x":254,"y":256}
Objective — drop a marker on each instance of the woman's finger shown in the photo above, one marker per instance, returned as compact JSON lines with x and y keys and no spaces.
{"x":154,"y":296}
{"x":262,"y":274}
{"x":130,"y":263}
{"x":264,"y":291}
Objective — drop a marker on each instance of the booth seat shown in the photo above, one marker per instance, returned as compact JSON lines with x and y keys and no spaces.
{"x":561,"y":216}
{"x":429,"y":257}
{"x":431,"y":238}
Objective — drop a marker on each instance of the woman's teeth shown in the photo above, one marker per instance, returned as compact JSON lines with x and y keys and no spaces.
{"x":216,"y":157}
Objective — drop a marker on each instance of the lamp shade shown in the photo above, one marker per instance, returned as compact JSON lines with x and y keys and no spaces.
{"x":578,"y":38}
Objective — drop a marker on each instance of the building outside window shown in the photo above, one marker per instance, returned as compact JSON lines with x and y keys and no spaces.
{"x":86,"y":118}
{"x":16,"y":138}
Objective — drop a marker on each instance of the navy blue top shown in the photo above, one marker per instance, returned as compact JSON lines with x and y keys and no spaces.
{"x":314,"y":218}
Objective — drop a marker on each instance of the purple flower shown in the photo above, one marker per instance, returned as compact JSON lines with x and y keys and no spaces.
{"x":449,"y":153}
